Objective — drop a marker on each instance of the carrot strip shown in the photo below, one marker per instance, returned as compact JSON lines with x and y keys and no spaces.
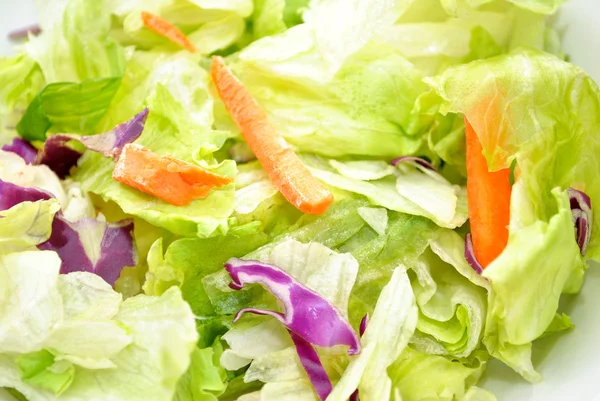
{"x":488,"y":196}
{"x":283,"y":166}
{"x":168,"y":30}
{"x":169,"y":179}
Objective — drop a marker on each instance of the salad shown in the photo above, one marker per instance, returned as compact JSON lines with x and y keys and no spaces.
{"x":289,"y":200}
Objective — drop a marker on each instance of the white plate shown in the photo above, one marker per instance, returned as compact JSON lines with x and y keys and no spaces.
{"x":569,"y":364}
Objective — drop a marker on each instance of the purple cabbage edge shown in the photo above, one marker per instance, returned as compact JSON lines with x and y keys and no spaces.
{"x":24,"y":32}
{"x":23,"y":149}
{"x":364,"y":322}
{"x":306,"y":313}
{"x":57,"y":155}
{"x":312,"y":365}
{"x":310,"y":319}
{"x":117,"y":248}
{"x":418,"y":160}
{"x":581,"y":210}
{"x":470,"y":255}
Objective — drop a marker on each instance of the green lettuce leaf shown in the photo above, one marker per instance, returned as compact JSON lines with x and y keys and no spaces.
{"x":538,"y":6}
{"x":204,"y":379}
{"x":26,"y":225}
{"x":20,"y":81}
{"x":330,"y":90}
{"x":554,"y":151}
{"x":388,"y":332}
{"x":452,"y":299}
{"x":417,"y":376}
{"x":75,"y":44}
{"x":53,"y":108}
{"x":210,"y":25}
{"x":407,"y":189}
{"x":83,"y":340}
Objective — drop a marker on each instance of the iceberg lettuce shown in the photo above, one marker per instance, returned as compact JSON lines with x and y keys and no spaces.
{"x":554,"y":151}
{"x":83,"y":340}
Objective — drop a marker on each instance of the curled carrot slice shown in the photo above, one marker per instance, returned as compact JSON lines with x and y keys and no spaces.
{"x":283,"y":166}
{"x":168,"y":30}
{"x":169,"y":179}
{"x":488,"y":195}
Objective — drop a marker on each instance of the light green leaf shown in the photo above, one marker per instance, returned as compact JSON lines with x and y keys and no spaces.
{"x":26,"y":225}
{"x":417,"y":376}
{"x":375,"y":217}
{"x":203,"y":381}
{"x":75,"y":45}
{"x":388,"y":332}
{"x":20,"y":81}
{"x":135,"y":350}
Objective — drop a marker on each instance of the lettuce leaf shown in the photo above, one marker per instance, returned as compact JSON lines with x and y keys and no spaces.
{"x":554,"y":151}
{"x":20,"y":81}
{"x":26,"y":225}
{"x":409,"y":189}
{"x":83,"y":340}
{"x":210,"y":25}
{"x":331,"y":91}
{"x":388,"y":332}
{"x":71,"y":34}
{"x":417,"y":376}
{"x":52,"y":108}
{"x":204,"y":380}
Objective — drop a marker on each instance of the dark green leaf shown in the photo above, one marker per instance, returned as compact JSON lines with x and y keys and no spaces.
{"x":68,"y":107}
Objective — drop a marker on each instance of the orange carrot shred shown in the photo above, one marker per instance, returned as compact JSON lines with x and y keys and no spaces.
{"x":283,"y":166}
{"x":168,"y":30}
{"x":488,"y":195}
{"x":169,"y":179}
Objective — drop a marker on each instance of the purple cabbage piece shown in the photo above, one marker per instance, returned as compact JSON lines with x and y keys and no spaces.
{"x":61,"y":158}
{"x":11,"y":195}
{"x":23,"y":32}
{"x":363,"y":324}
{"x":111,"y":143}
{"x":581,"y":209}
{"x":313,"y":366}
{"x":58,"y":156}
{"x":306,"y":314}
{"x":418,"y":160}
{"x":470,"y":255}
{"x":115,"y":250}
{"x":23,"y":149}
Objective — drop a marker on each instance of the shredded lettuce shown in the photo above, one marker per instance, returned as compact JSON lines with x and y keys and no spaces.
{"x":83,"y":340}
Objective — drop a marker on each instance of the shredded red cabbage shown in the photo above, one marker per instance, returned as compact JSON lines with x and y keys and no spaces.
{"x":61,"y":158}
{"x":470,"y":255}
{"x":581,"y":209}
{"x":307,"y":314}
{"x":23,"y":32}
{"x":11,"y":195}
{"x":363,"y":327}
{"x":309,"y":318}
{"x":420,"y":161}
{"x":23,"y":149}
{"x":105,"y":256}
{"x":363,"y":324}
{"x":58,"y":156}
{"x":313,"y":366}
